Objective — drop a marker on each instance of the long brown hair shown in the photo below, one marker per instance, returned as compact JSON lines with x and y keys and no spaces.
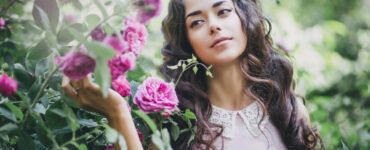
{"x":268,"y":74}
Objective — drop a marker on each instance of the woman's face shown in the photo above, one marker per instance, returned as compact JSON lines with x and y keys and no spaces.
{"x":214,"y":30}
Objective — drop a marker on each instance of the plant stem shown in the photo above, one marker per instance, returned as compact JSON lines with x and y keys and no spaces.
{"x":79,"y":138}
{"x":188,"y":67}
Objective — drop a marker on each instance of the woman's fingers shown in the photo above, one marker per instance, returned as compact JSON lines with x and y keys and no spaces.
{"x":67,"y":87}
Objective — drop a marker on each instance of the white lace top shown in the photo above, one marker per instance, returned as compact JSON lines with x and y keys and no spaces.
{"x":241,"y":129}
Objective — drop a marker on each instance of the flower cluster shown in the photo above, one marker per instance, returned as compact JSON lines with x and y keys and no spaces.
{"x":8,"y":85}
{"x":132,"y":44}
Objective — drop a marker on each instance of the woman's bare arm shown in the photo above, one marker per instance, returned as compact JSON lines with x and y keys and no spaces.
{"x":113,"y":107}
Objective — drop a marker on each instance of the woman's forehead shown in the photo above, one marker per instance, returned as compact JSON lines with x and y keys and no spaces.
{"x":192,"y":5}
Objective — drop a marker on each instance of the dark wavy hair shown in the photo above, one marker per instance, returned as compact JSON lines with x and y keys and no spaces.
{"x":268,"y":74}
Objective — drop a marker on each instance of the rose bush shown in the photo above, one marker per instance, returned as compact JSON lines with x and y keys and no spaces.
{"x":35,"y":113}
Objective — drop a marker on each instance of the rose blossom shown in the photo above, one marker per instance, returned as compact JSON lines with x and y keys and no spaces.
{"x":97,"y":34}
{"x":119,"y":46}
{"x":148,"y":9}
{"x":8,"y":85}
{"x":122,"y":86}
{"x":166,"y":114}
{"x":76,"y":65}
{"x":156,"y":95}
{"x":135,"y":36}
{"x":119,"y":65}
{"x":141,"y":136}
{"x":2,"y":22}
{"x":109,"y":148}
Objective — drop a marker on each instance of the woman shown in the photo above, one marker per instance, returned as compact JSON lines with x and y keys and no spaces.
{"x":250,"y":102}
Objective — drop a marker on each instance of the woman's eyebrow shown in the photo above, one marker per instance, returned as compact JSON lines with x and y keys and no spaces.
{"x":199,"y":12}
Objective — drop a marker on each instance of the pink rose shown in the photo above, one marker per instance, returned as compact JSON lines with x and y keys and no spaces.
{"x":2,"y":22}
{"x":148,"y":9}
{"x":156,"y":95}
{"x":109,"y":148}
{"x":141,"y":136}
{"x":166,"y":114}
{"x":122,"y":86}
{"x":97,"y":34}
{"x":8,"y":85}
{"x":135,"y":35}
{"x":119,"y":65}
{"x":119,"y":46}
{"x":76,"y":65}
{"x":70,"y":18}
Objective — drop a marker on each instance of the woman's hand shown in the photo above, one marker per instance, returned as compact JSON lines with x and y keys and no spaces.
{"x":89,"y":96}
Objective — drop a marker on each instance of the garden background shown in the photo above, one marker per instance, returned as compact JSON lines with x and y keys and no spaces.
{"x":328,"y":42}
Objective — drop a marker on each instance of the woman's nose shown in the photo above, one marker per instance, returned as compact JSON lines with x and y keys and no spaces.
{"x":214,"y":27}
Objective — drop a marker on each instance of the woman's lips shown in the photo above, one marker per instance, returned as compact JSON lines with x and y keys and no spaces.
{"x":220,"y":40}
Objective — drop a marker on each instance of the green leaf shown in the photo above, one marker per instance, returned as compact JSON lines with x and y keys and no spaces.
{"x":69,"y":101}
{"x":34,"y":89}
{"x":42,"y":66}
{"x":7,"y":114}
{"x":134,"y":85}
{"x":191,"y":139}
{"x":172,"y":67}
{"x":209,"y":74}
{"x":102,"y":76}
{"x":82,"y":147}
{"x":81,"y":27}
{"x":92,"y":20}
{"x":183,"y":67}
{"x":114,"y":136}
{"x":175,"y":132}
{"x":55,"y":116}
{"x":65,"y":36}
{"x":35,"y":54}
{"x":17,"y":111}
{"x":156,"y":139}
{"x":24,"y":78}
{"x":8,"y":127}
{"x":101,"y":8}
{"x":194,"y":58}
{"x":39,"y":108}
{"x":59,"y":112}
{"x":100,"y":50}
{"x":25,"y":142}
{"x":71,"y":118}
{"x":189,"y":60}
{"x":46,"y":12}
{"x":166,"y":139}
{"x":147,"y":119}
{"x":209,"y":67}
{"x":189,"y":114}
{"x":77,"y":4}
{"x":195,"y":69}
{"x":42,"y":135}
{"x":87,"y":123}
{"x":44,"y":22}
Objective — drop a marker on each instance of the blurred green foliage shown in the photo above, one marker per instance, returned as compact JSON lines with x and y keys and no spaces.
{"x":331,"y":55}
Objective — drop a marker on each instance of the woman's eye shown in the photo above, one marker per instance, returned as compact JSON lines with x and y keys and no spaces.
{"x":194,"y":23}
{"x":223,"y":11}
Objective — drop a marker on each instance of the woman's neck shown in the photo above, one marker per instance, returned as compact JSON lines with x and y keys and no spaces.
{"x":226,"y":87}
